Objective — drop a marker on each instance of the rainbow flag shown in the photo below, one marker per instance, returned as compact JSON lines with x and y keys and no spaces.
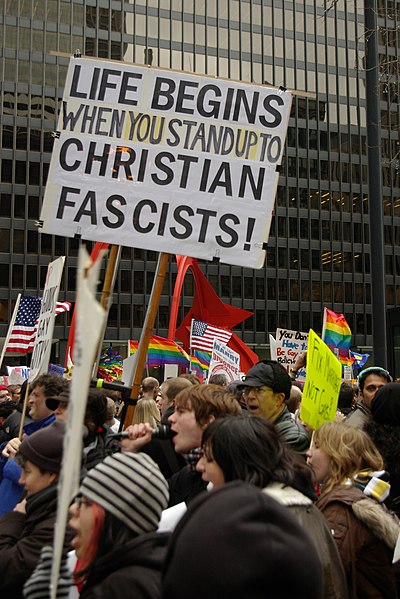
{"x":162,"y":351}
{"x":202,"y":357}
{"x":201,"y":363}
{"x":335,"y":330}
{"x":343,"y":355}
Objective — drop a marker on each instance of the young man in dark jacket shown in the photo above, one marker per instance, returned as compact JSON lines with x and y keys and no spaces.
{"x":195,"y":408}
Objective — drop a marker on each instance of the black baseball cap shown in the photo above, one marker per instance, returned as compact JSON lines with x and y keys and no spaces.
{"x":270,"y":374}
{"x":52,"y":402}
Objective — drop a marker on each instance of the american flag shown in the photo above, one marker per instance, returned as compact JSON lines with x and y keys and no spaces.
{"x":202,"y":335}
{"x":23,"y":333}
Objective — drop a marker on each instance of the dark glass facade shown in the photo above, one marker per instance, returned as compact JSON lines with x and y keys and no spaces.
{"x":318,"y":252}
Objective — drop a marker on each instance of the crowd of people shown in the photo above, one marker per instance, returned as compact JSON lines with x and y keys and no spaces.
{"x":240,"y":499}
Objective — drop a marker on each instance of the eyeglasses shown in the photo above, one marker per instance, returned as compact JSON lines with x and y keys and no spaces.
{"x":257,"y":390}
{"x":82,"y":500}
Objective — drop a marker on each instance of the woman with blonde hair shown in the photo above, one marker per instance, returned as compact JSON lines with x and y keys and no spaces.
{"x":349,"y":469}
{"x":146,"y":411}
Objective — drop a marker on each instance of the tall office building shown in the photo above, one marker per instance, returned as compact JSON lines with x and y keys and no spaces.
{"x":319,"y":247}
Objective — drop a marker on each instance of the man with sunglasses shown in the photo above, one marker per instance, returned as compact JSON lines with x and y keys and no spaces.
{"x":267,"y":387}
{"x":369,"y":381}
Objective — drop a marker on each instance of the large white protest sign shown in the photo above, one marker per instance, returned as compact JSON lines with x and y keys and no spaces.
{"x":90,"y":317}
{"x":45,"y":326}
{"x":158,"y":159}
{"x":288,"y":345}
{"x":224,"y":361}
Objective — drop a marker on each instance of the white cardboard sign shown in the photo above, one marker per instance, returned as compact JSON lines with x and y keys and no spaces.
{"x":288,"y":345}
{"x":224,"y":360}
{"x":157,"y":159}
{"x":45,"y":327}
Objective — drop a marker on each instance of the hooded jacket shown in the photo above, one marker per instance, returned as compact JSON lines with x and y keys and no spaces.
{"x":366,"y":534}
{"x":22,"y":537}
{"x":359,"y":417}
{"x":133,"y":570}
{"x":236,"y":542}
{"x":313,"y":522}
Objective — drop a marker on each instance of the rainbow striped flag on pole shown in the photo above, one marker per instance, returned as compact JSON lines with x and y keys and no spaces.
{"x":162,"y":351}
{"x":335,"y":330}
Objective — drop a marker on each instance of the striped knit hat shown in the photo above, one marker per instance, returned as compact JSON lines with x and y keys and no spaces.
{"x":131,"y":487}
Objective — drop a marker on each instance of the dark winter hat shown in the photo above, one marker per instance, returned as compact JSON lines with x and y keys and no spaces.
{"x":131,"y":487}
{"x":231,"y":388}
{"x":271,"y":374}
{"x":256,"y":550}
{"x":45,"y":447}
{"x":385,"y":406}
{"x":52,"y":402}
{"x":96,"y":407}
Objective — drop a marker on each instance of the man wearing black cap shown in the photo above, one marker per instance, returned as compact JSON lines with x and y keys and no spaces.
{"x":267,"y":387}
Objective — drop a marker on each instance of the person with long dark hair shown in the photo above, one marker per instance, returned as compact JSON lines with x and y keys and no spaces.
{"x":249,"y":448}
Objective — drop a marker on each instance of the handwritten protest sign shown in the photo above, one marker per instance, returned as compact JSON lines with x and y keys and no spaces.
{"x":288,"y":345}
{"x":158,"y":159}
{"x":321,"y":389}
{"x":224,"y":361}
{"x":45,"y":327}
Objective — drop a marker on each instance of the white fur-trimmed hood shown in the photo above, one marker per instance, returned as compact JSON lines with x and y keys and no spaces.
{"x":286,"y":495}
{"x":382,"y":523}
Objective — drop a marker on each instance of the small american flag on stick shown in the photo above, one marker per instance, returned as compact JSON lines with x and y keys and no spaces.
{"x":202,"y":335}
{"x":23,"y":326}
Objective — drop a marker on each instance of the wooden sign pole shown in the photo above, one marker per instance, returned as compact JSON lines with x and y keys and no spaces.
{"x":106,"y":294}
{"x":147,"y":330}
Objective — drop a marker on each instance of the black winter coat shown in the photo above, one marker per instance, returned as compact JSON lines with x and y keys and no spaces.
{"x":185,"y":485}
{"x":22,"y":537}
{"x":162,"y":451}
{"x":132,"y":570}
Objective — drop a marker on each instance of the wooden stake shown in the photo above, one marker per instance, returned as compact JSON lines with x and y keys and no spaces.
{"x":147,"y":330}
{"x":106,"y":294}
{"x":23,"y":415}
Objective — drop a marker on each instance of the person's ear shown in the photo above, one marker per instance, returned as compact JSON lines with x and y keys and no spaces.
{"x":207,"y":423}
{"x":53,"y":478}
{"x":280,"y":398}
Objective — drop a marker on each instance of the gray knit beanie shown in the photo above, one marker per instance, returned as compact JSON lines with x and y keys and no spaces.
{"x":44,"y":448}
{"x":131,"y":487}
